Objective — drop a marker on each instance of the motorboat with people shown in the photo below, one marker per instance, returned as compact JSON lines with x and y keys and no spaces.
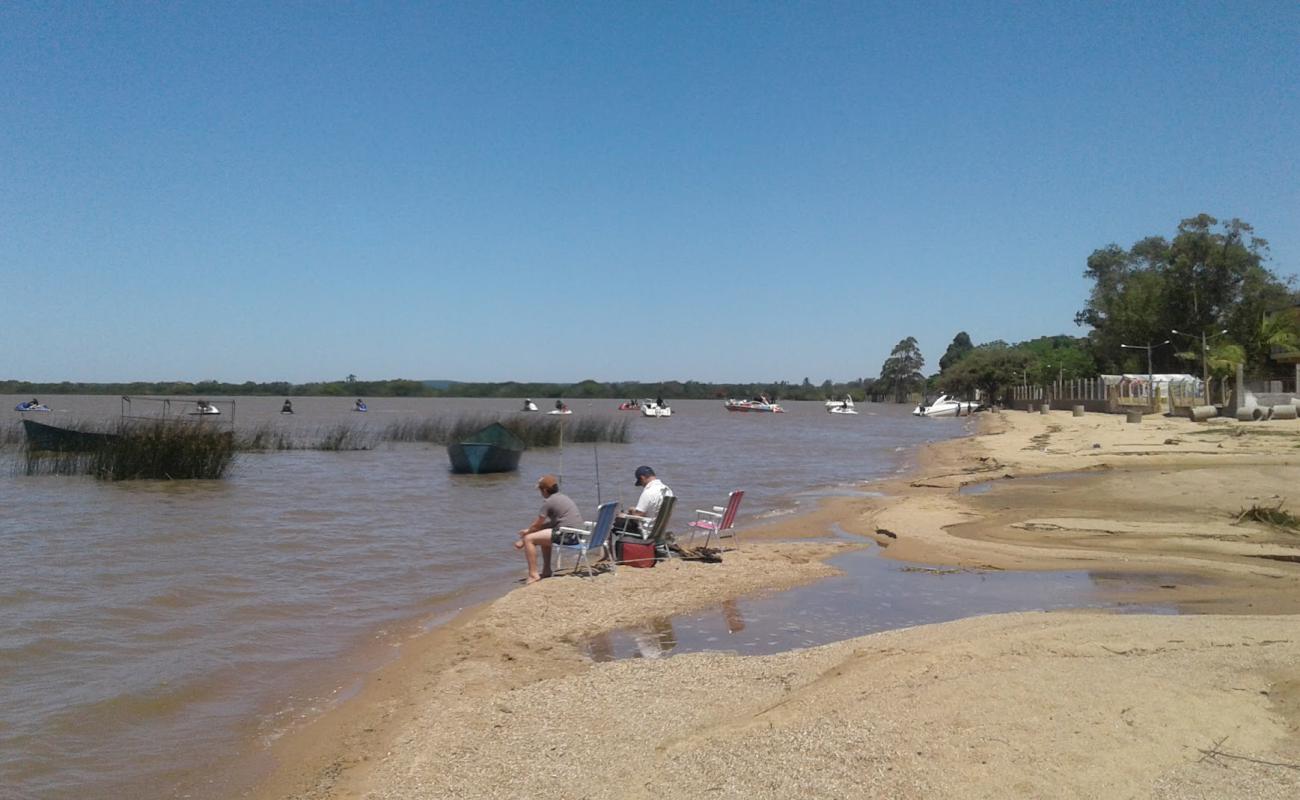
{"x":630,"y":405}
{"x":287,"y":408}
{"x":205,"y":409}
{"x":760,"y":404}
{"x":560,"y":408}
{"x":31,"y":405}
{"x":529,"y":405}
{"x":946,"y":406}
{"x":844,"y":406}
{"x":655,"y":408}
{"x":360,"y":405}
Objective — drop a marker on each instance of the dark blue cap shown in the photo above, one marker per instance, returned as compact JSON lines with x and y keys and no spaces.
{"x":642,"y":472}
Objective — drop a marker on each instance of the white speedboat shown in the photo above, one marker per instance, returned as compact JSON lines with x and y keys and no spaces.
{"x":529,"y":405}
{"x":844,"y":406}
{"x":945,"y":406}
{"x":761,"y":404}
{"x":650,"y":408}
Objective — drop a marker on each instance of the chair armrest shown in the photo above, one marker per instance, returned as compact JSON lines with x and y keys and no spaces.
{"x":720,"y":509}
{"x":699,"y":512}
{"x":583,"y":535}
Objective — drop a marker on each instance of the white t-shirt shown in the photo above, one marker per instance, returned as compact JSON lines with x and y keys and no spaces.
{"x":652,"y":496}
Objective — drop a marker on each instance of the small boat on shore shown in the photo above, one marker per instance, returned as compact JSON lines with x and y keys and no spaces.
{"x":760,"y":404}
{"x":48,"y":437}
{"x":491,"y":449}
{"x":945,"y":406}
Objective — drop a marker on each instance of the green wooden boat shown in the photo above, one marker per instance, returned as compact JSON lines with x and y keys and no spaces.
{"x":48,"y":437}
{"x":492,"y":449}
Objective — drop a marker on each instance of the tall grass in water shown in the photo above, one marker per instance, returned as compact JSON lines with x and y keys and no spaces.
{"x":149,"y":450}
{"x":534,"y":431}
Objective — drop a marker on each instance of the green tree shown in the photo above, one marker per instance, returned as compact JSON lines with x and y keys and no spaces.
{"x":900,"y":375}
{"x":961,"y":345}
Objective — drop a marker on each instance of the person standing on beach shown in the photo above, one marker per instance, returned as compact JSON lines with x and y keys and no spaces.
{"x":557,"y":511}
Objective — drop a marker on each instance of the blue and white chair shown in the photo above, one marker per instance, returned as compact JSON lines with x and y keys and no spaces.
{"x":593,"y":536}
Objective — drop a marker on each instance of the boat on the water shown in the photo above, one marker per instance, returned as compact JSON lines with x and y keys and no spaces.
{"x":491,"y":449}
{"x":946,"y":406}
{"x":360,"y":405}
{"x":529,"y":405}
{"x":48,"y":437}
{"x":630,"y":405}
{"x":760,"y":404}
{"x":652,"y":408}
{"x":30,"y":406}
{"x":205,"y":409}
{"x":844,"y":406}
{"x":560,"y":411}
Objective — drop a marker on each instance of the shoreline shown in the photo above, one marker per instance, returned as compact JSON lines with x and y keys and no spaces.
{"x":458,"y":693}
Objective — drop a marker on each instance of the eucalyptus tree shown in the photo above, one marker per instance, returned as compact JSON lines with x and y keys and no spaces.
{"x":900,"y":375}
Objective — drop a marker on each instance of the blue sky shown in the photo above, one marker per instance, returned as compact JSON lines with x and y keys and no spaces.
{"x":619,"y":191}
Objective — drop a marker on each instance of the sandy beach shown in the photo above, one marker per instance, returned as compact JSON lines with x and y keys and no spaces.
{"x":502,"y":703}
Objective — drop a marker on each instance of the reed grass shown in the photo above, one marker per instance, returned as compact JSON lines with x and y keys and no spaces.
{"x":144,"y":450}
{"x":545,"y":431}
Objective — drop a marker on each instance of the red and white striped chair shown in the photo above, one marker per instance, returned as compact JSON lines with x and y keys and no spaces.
{"x":720,"y":522}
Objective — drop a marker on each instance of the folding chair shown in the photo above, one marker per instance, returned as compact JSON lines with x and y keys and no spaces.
{"x":720,"y":521}
{"x":592,"y":536}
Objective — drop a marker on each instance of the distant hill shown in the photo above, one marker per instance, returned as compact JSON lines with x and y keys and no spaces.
{"x":440,"y":385}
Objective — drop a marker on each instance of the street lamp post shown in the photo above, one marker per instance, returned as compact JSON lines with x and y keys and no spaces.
{"x":1151,"y":380}
{"x":1205,"y":356}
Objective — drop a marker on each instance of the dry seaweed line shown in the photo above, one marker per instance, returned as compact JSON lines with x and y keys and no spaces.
{"x":1273,"y":516}
{"x":1215,"y":753}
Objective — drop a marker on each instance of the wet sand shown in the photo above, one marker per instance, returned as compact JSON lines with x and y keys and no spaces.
{"x":502,"y":703}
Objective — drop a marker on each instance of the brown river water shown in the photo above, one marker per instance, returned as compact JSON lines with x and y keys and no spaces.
{"x":153,"y":633}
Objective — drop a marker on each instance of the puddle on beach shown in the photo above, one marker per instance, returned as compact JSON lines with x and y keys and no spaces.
{"x":874,"y":594}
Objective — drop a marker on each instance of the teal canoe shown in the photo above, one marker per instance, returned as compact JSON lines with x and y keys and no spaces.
{"x":492,"y":449}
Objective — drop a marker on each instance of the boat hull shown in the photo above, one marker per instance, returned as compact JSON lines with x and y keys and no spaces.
{"x":47,"y":437}
{"x":468,"y":458}
{"x":492,"y":449}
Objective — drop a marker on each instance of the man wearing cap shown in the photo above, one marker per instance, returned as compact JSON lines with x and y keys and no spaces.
{"x":653,"y":492}
{"x":557,"y":511}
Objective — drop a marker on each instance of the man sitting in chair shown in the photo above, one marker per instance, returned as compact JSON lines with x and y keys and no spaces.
{"x":653,"y":492}
{"x":557,"y":511}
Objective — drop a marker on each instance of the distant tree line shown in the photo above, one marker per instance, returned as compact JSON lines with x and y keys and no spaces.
{"x":860,"y":389}
{"x":1202,"y":302}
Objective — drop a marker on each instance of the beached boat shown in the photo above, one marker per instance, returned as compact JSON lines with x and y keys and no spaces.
{"x":29,"y":406}
{"x":761,"y":404}
{"x":945,"y":406}
{"x":47,"y":437}
{"x":650,"y":408}
{"x":492,"y":449}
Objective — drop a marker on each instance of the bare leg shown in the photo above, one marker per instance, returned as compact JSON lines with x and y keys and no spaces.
{"x":531,"y":543}
{"x":546,"y":557}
